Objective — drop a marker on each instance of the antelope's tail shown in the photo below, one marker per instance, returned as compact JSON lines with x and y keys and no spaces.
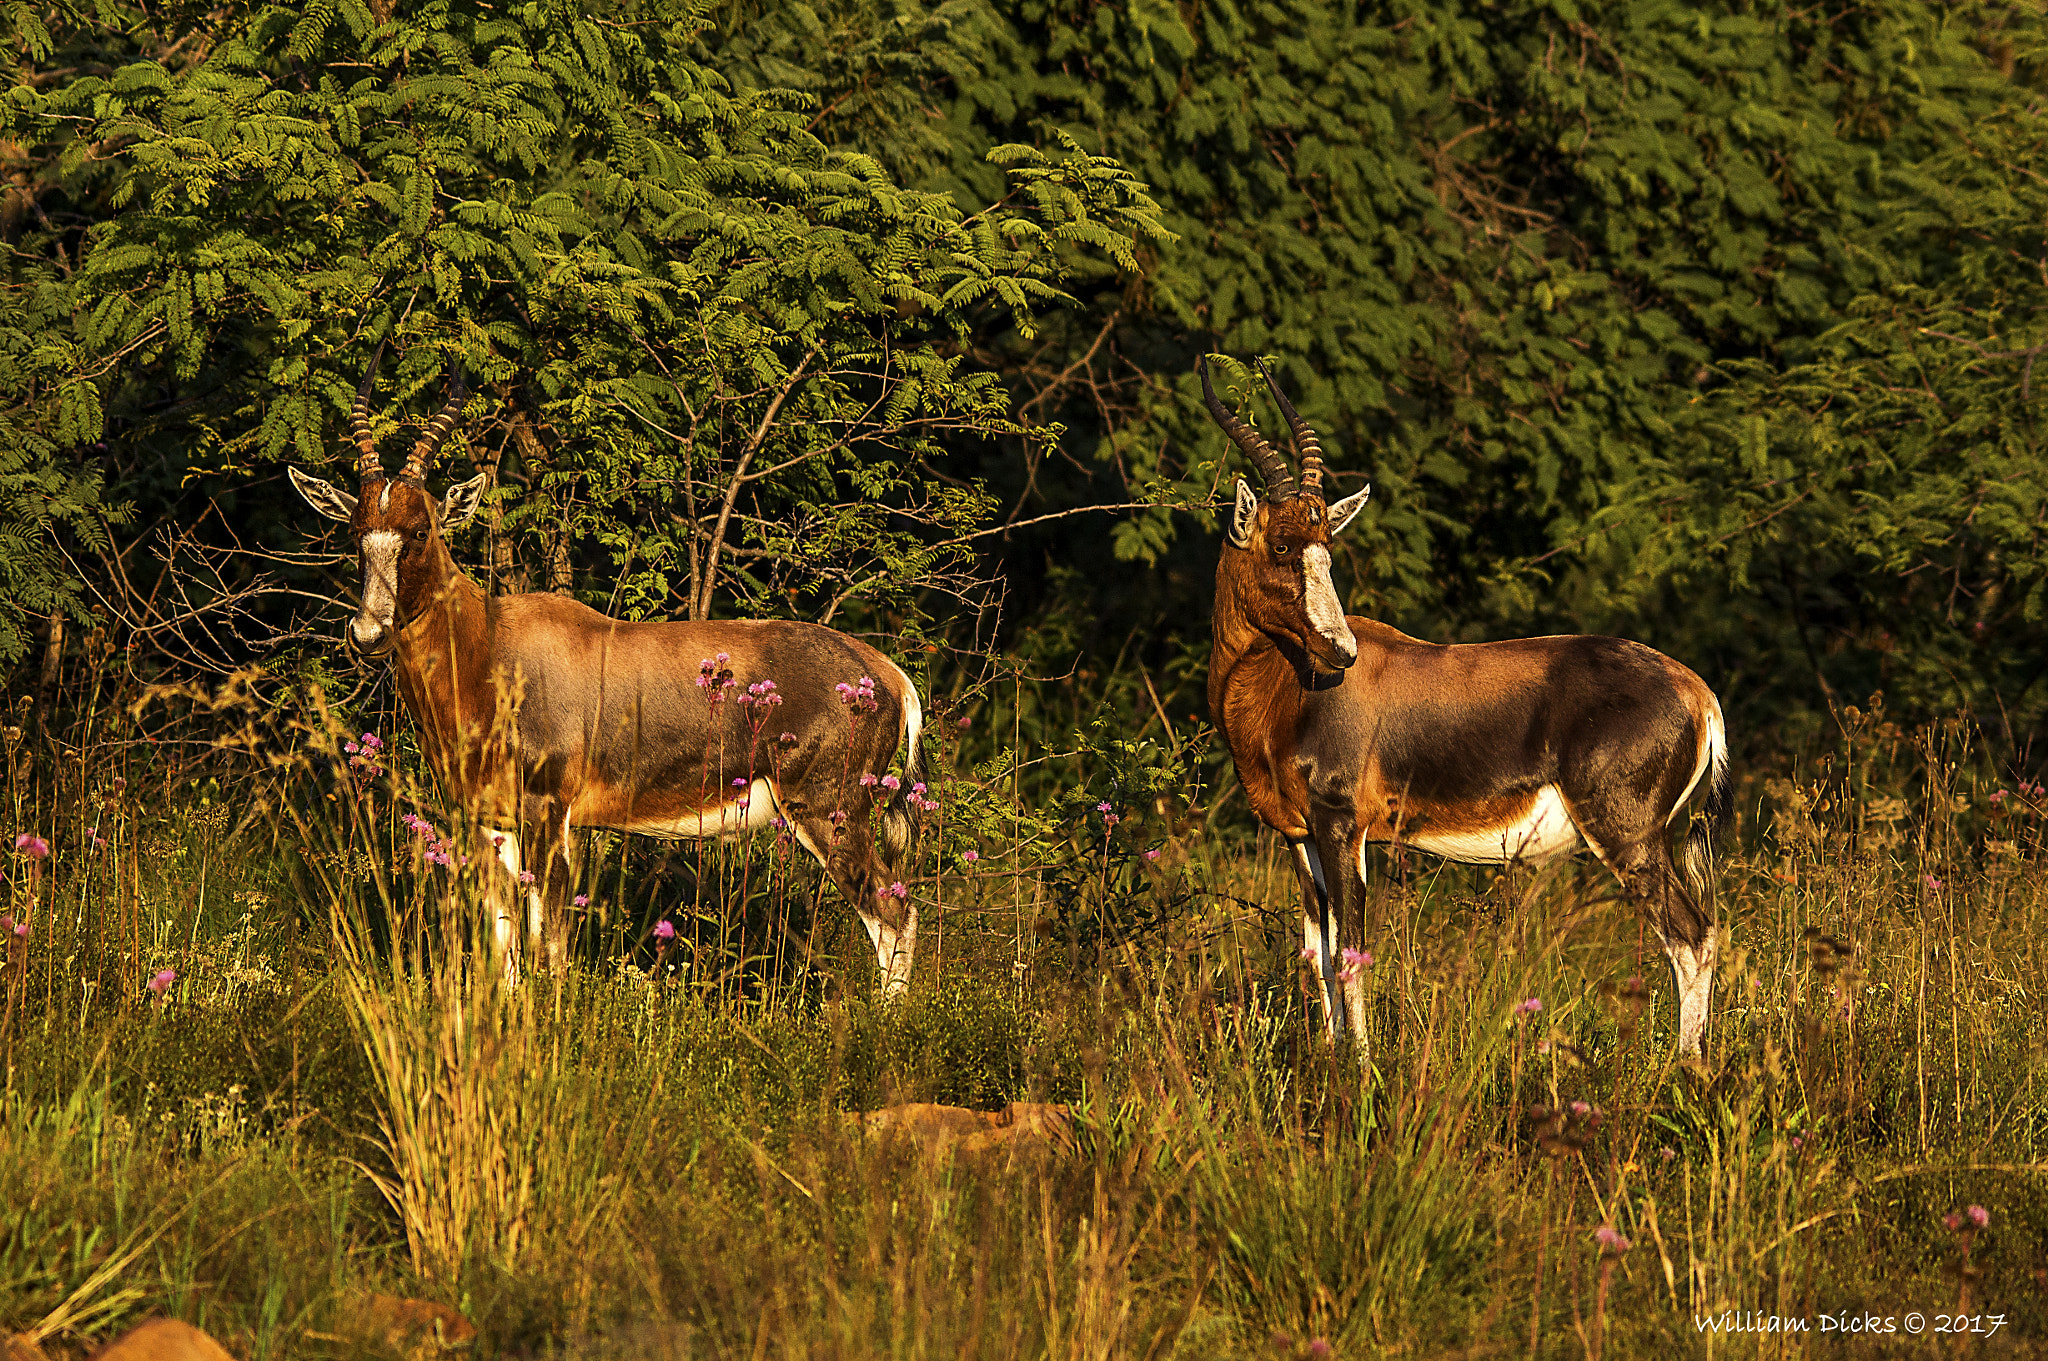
{"x":900,"y":815}
{"x":1706,"y":829}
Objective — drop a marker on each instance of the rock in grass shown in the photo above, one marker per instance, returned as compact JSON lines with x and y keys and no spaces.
{"x":1017,"y":1127}
{"x":163,"y":1339}
{"x":416,"y":1329}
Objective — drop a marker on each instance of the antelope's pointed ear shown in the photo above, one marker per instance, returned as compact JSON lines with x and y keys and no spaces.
{"x":1244,"y":515}
{"x":462,"y":501}
{"x":324,"y":497}
{"x":1345,"y":511}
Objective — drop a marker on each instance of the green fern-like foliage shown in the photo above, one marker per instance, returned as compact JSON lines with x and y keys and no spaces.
{"x":732,"y":347}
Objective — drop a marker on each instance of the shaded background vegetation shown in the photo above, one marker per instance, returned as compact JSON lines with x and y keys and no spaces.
{"x":1710,"y":325}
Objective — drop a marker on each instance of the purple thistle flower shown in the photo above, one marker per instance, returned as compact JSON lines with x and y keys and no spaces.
{"x":161,"y":983}
{"x":918,"y":789}
{"x":868,"y":781}
{"x":664,"y":931}
{"x":891,"y":783}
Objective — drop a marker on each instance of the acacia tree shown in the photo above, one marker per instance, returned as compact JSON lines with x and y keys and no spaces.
{"x":718,"y":354}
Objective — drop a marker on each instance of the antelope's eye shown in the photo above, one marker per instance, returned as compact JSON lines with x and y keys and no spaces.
{"x":1280,"y":550}
{"x":419,"y":535}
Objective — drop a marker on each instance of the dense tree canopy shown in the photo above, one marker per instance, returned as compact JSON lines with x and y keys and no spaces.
{"x":1715,"y":324}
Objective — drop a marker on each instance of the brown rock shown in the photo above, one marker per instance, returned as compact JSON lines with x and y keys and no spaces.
{"x":1019,"y":1126}
{"x":415,"y":1328}
{"x":163,"y":1339}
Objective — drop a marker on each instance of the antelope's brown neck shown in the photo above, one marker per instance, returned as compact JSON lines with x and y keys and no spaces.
{"x":444,"y":667}
{"x":1256,"y":691}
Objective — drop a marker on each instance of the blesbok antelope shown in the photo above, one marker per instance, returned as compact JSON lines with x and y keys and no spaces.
{"x":537,"y":714}
{"x":1347,"y":732}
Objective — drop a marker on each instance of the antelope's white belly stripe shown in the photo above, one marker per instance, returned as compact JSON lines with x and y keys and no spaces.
{"x":731,"y":819}
{"x":1543,"y":833}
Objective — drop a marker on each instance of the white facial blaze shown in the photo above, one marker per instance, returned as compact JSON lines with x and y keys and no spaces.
{"x":380,"y":586}
{"x":1325,"y":610}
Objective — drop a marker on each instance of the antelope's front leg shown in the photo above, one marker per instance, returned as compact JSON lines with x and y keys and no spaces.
{"x":505,"y":932}
{"x":1318,"y":929}
{"x":1344,"y":870}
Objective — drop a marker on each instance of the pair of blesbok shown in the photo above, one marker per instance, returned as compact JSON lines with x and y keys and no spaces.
{"x":539,"y":715}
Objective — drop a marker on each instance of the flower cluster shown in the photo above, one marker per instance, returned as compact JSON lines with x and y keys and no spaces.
{"x":439,"y":850}
{"x":1356,"y":962}
{"x":1528,"y":1006}
{"x":895,"y":890}
{"x":1566,"y":1129}
{"x":860,"y":697}
{"x":1610,"y":1240}
{"x":10,"y":927}
{"x":761,"y":695}
{"x":364,"y":752}
{"x":1977,"y":1217}
{"x":920,"y":801}
{"x":713,"y":675}
{"x":161,"y":983}
{"x":664,"y":931}
{"x":31,"y":845}
{"x":1109,"y":817}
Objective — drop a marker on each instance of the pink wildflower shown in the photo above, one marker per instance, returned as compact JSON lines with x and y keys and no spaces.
{"x":1610,"y":1240}
{"x":891,"y":783}
{"x":971,"y":856}
{"x":163,"y":980}
{"x":1528,"y":1006}
{"x":1151,"y":855}
{"x":664,"y":931}
{"x":1979,"y":1216}
{"x":526,"y":876}
{"x":583,"y":900}
{"x":868,"y":781}
{"x":31,"y":845}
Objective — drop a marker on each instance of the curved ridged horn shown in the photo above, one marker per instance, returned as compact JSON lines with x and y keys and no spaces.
{"x":438,"y":430}
{"x":1273,"y":468}
{"x":1304,"y":438}
{"x":369,"y":468}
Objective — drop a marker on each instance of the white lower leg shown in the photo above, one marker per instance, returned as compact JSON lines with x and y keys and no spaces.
{"x":1319,"y":937}
{"x":1693,"y":969}
{"x":504,"y":925}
